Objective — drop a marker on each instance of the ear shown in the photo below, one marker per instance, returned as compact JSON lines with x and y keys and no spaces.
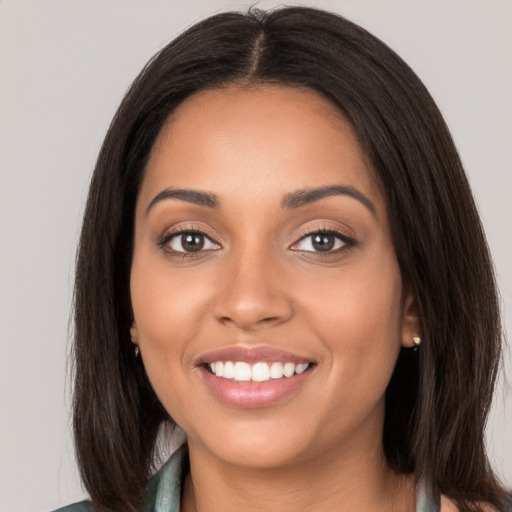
{"x":411,"y":322}
{"x":134,"y":335}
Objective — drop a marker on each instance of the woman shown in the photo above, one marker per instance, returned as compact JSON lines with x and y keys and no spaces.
{"x":281,"y":254}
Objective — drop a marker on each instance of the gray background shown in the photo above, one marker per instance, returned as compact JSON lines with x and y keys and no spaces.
{"x":64,"y":66}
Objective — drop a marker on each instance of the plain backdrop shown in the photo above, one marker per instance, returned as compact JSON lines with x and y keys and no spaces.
{"x":64,"y":67}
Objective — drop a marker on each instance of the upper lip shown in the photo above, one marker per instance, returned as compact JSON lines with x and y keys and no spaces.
{"x":252,"y":355}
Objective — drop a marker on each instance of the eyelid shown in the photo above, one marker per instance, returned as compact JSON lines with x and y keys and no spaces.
{"x":180,"y":229}
{"x":172,"y":239}
{"x":347,"y":239}
{"x":345,"y":235}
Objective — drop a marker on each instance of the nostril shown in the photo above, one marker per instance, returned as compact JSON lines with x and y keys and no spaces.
{"x":248,"y":308}
{"x":249,"y":323}
{"x":269,"y":320}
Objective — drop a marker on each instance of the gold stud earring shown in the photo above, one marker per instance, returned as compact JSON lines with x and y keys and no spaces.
{"x":416,"y":340}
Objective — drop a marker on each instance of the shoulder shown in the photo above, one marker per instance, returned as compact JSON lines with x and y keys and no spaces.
{"x":81,"y":506}
{"x":163,"y":491}
{"x":447,"y":505}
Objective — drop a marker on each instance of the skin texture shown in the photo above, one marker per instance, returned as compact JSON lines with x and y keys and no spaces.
{"x":258,"y":282}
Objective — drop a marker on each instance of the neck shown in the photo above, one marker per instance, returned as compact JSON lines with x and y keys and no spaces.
{"x":347,"y":481}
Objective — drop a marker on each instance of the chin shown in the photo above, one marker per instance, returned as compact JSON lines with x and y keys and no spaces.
{"x":257,"y":445}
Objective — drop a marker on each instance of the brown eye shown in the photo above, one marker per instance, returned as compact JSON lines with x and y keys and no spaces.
{"x":322,"y":242}
{"x":190,"y":242}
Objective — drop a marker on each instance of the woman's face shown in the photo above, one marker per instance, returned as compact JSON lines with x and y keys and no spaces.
{"x":263,"y":254}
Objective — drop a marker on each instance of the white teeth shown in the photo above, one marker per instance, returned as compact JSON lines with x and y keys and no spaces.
{"x":289,"y":369}
{"x":219,"y":368}
{"x":276,"y":370}
{"x":229,"y":370}
{"x":301,"y":368}
{"x":258,"y":372}
{"x":242,"y":371}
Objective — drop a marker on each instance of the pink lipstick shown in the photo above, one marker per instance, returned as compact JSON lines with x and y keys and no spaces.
{"x":253,"y":377}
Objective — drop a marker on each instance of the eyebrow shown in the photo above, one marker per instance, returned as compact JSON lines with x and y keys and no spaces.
{"x":190,"y":196}
{"x":290,"y":201}
{"x":310,"y":195}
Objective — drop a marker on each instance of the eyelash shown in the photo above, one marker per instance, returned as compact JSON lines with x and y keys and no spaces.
{"x":348,"y":241}
{"x":165,"y":239}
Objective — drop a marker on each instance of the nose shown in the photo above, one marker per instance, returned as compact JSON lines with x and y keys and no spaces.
{"x":252,"y":294}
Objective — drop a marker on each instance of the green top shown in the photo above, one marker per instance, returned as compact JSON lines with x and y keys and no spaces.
{"x":164,"y":490}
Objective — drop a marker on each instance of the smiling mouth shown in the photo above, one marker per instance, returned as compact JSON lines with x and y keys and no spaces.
{"x":241,"y":371}
{"x":254,"y":377}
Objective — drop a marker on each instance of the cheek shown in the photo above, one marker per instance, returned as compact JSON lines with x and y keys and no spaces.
{"x":167,"y":308}
{"x":362,"y":303}
{"x":166,"y":303}
{"x":358,"y":314}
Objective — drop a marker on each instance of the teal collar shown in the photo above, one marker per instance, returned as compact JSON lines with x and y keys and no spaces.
{"x":164,"y":489}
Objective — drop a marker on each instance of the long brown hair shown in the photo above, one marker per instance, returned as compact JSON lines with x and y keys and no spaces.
{"x":438,"y":398}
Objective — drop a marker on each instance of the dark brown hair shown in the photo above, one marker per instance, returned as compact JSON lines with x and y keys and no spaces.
{"x":439,"y":397}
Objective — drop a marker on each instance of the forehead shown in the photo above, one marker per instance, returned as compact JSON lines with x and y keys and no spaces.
{"x":257,"y":140}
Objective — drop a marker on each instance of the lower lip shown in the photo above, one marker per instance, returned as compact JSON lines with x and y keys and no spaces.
{"x":251,"y":394}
